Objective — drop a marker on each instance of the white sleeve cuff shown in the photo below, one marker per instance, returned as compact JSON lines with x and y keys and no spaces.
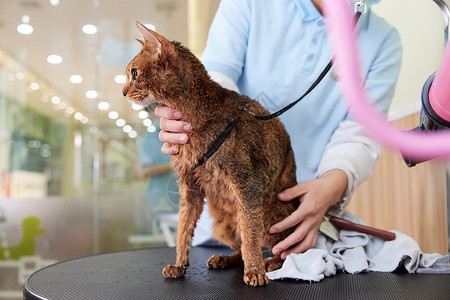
{"x":224,"y":80}
{"x":352,"y":151}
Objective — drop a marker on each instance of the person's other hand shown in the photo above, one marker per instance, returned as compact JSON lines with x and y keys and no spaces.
{"x":315,"y":197}
{"x":173,"y":129}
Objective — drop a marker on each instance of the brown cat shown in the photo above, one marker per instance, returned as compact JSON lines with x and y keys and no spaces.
{"x":241,"y":180}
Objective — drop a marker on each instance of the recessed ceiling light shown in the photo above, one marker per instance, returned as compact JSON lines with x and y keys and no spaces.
{"x":89,"y":29}
{"x":120,"y":79}
{"x":34,"y":86}
{"x":93,"y":129}
{"x":103,"y":105}
{"x":56,"y":100}
{"x":132,"y":134}
{"x":143,"y":114}
{"x":127,"y":128}
{"x":84,"y":120}
{"x":20,"y":75}
{"x":25,"y":29}
{"x":54,"y":2}
{"x":76,"y":79}
{"x":120,"y":122}
{"x":136,"y":106}
{"x":54,"y":59}
{"x":78,"y":116}
{"x":113,"y":115}
{"x":25,"y":19}
{"x":91,"y":94}
{"x":62,"y":105}
{"x":150,"y":26}
{"x":69,"y":110}
{"x":147,"y":122}
{"x":151,"y":128}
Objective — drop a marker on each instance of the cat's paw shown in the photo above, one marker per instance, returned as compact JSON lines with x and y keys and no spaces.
{"x":217,"y":262}
{"x":256,"y":279}
{"x":272,"y":264}
{"x":173,"y":271}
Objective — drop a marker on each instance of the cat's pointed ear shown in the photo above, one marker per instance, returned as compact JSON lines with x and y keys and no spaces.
{"x":149,"y":38}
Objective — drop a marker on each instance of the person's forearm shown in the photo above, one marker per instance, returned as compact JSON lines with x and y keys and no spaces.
{"x":338,"y":183}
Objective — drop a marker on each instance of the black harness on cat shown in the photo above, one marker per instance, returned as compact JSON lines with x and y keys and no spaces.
{"x":223,"y":136}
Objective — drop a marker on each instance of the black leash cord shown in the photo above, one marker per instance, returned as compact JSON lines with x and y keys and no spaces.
{"x":223,"y":136}
{"x":318,"y":80}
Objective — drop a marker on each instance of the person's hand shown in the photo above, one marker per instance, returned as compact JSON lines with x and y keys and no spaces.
{"x":315,"y":197}
{"x":173,"y":130}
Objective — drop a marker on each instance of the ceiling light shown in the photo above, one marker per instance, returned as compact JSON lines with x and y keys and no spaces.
{"x":20,"y":75}
{"x":25,"y":29}
{"x":136,"y":106}
{"x":120,"y":79}
{"x":127,"y":128}
{"x":54,"y":59}
{"x":78,"y":116}
{"x":62,"y":105}
{"x":93,"y":129}
{"x":150,"y":26}
{"x":56,"y":100}
{"x":113,"y":115}
{"x":91,"y":94}
{"x":89,"y":29}
{"x":151,"y":128}
{"x":147,"y":122}
{"x":120,"y":122}
{"x":84,"y":120}
{"x":76,"y":79}
{"x":69,"y":110}
{"x":132,"y":134}
{"x":54,"y":2}
{"x":103,"y":105}
{"x":34,"y":86}
{"x":143,"y":114}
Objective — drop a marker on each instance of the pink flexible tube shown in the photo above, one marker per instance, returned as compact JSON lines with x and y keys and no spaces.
{"x":418,"y":145}
{"x":439,"y":94}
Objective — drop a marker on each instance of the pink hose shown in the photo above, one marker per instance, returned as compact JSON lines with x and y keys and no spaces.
{"x":439,"y":95}
{"x":418,"y":145}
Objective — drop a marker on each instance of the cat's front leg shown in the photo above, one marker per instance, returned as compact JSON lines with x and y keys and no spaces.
{"x":252,"y":236}
{"x":191,"y":206}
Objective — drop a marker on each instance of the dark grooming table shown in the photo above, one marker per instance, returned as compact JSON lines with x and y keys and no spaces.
{"x":136,"y":274}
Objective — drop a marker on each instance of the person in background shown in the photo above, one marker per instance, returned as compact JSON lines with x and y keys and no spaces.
{"x":162,"y":188}
{"x":273,"y":51}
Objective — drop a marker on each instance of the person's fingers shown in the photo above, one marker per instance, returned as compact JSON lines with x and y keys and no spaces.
{"x":293,"y":219}
{"x":308,"y":242}
{"x":174,"y":126}
{"x":294,"y":238}
{"x":293,"y":192}
{"x":169,"y":150}
{"x":166,"y":112}
{"x":174,"y":138}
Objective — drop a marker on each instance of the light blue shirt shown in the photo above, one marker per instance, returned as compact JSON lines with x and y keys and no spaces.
{"x":275,"y":49}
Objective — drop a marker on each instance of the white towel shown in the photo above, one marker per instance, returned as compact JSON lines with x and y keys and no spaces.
{"x":355,"y":252}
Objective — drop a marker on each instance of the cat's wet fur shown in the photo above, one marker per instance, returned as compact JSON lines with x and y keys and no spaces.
{"x":241,"y":180}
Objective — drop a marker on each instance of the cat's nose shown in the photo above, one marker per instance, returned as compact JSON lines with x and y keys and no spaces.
{"x":125,"y":91}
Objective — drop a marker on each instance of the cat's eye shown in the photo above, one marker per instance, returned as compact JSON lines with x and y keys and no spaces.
{"x":134,"y":73}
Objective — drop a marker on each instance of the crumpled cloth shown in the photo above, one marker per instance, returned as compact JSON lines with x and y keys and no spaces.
{"x":355,"y":252}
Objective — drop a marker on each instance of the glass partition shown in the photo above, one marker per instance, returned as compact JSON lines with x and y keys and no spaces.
{"x":75,"y":157}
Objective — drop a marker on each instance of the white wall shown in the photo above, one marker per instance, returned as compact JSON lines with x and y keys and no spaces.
{"x":420,"y":24}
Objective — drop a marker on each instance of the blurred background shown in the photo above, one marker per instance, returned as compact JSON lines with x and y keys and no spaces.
{"x":77,"y":161}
